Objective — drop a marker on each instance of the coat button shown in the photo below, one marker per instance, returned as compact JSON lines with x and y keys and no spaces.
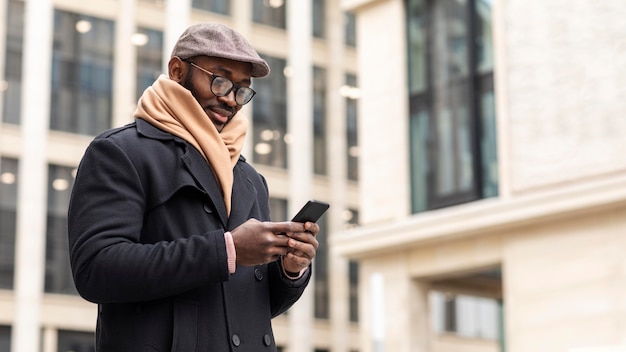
{"x":236,"y":340}
{"x":258,"y":274}
{"x":267,"y":340}
{"x":207,"y":208}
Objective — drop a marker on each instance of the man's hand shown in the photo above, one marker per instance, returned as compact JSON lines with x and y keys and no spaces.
{"x":302,"y":248}
{"x":259,"y":242}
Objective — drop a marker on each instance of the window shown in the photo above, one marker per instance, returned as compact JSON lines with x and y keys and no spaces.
{"x":82,"y":73}
{"x":75,"y":341}
{"x":468,"y":316}
{"x":452,"y":115}
{"x":149,"y":58}
{"x":58,"y":277}
{"x":319,"y":121}
{"x":351,"y":220}
{"x":353,"y":275}
{"x":350,"y":29}
{"x":218,"y":6}
{"x":5,"y":338}
{"x":270,"y":116}
{"x":320,"y":268}
{"x":319,"y":18}
{"x":12,"y":87}
{"x":351,"y":92}
{"x":8,"y":219}
{"x":269,"y":12}
{"x":278,"y":209}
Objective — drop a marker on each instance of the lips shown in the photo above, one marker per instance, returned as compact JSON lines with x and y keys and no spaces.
{"x":219,"y":115}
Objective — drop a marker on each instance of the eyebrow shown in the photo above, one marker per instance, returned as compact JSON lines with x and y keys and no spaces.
{"x":227,"y":72}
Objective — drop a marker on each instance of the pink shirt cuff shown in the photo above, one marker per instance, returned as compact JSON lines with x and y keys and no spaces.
{"x":289,"y":275}
{"x":230,"y":252}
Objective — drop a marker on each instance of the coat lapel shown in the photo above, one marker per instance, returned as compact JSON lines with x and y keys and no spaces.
{"x":201,"y":171}
{"x":243,"y":198}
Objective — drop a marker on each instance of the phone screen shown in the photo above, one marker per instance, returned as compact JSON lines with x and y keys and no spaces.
{"x":311,"y":211}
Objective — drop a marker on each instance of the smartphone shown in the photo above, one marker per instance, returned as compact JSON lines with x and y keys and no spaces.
{"x":311,"y":211}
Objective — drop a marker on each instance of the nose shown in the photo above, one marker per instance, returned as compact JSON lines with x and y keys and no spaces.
{"x":229,"y":98}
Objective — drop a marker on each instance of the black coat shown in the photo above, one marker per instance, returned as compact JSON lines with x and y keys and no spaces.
{"x":146,"y":234}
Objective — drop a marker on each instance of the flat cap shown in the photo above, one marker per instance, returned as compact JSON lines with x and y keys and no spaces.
{"x":218,"y":40}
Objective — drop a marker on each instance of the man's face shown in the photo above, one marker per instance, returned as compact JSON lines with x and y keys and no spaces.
{"x":220,"y":109}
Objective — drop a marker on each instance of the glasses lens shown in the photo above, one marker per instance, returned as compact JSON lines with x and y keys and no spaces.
{"x":244,"y":95}
{"x":221,"y":86}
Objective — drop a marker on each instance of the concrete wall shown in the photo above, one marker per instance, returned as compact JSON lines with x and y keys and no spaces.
{"x":565,"y":284}
{"x":560,"y":91}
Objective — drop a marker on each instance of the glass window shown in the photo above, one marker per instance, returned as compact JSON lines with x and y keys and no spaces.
{"x":82,"y":73}
{"x":351,"y":92}
{"x":76,"y":341}
{"x":5,"y":338}
{"x":319,"y":18}
{"x":218,"y":6}
{"x":269,"y":12}
{"x":468,"y":316}
{"x":58,"y":277}
{"x":320,"y":268}
{"x":351,"y":220}
{"x":350,"y":29}
{"x":12,"y":87}
{"x":149,"y":58}
{"x":278,"y":209}
{"x":353,"y":276}
{"x":485,"y":98}
{"x":319,"y":121}
{"x":452,"y":117}
{"x":270,"y":116}
{"x":8,"y":218}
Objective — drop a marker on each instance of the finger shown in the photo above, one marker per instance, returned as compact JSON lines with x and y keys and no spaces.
{"x":306,"y":238}
{"x":279,"y":252}
{"x":280,"y":240}
{"x":302,"y":249}
{"x":300,"y":262}
{"x":295,"y":252}
{"x":285,"y":227}
{"x":311,"y":227}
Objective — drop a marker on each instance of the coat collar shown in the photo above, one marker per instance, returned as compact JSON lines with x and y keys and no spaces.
{"x":145,"y":129}
{"x":244,"y":193}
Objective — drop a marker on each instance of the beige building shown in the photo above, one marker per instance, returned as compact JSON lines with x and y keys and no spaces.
{"x":71,"y":69}
{"x":493,"y":175}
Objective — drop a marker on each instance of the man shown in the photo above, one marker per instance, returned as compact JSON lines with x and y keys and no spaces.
{"x":169,"y":227}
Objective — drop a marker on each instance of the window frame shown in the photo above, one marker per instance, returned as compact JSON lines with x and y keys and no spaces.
{"x":424,"y":118}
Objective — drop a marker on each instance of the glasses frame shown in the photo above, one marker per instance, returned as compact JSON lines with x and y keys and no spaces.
{"x":233,"y":88}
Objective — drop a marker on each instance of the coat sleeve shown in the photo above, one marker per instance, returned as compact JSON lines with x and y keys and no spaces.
{"x":109,"y":262}
{"x":284,"y":291}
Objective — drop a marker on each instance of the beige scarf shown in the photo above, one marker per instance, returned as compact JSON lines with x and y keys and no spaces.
{"x":172,"y":108}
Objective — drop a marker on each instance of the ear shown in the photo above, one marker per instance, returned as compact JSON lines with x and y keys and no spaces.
{"x":176,"y":69}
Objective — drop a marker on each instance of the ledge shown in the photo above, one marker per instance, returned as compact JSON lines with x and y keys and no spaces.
{"x":351,"y":5}
{"x":483,"y":217}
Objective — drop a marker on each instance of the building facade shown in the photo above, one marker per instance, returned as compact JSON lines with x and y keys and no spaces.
{"x":493,"y":177}
{"x":71,"y":69}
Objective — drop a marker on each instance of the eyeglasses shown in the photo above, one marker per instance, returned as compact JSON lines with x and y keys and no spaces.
{"x":222,"y":86}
